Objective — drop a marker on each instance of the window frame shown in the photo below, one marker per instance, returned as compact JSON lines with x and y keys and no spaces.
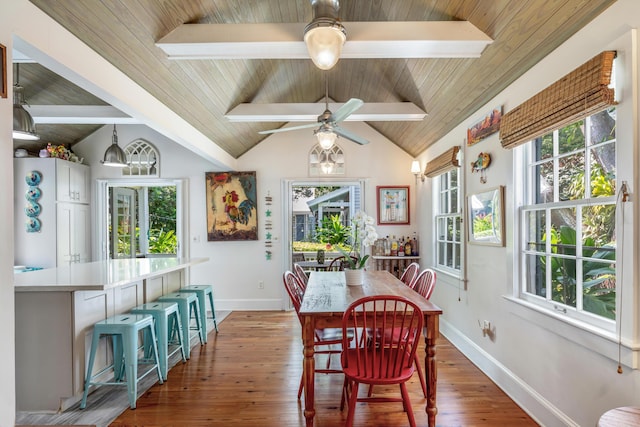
{"x":526,"y":187}
{"x":456,"y":217}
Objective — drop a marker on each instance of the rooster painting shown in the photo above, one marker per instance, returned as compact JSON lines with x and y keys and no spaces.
{"x":235,"y":213}
{"x":231,"y":206}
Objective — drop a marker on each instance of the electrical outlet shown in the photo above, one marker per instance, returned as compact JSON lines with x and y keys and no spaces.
{"x":261,"y":285}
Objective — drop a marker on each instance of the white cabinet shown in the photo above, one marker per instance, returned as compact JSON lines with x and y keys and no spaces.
{"x":63,"y":222}
{"x":73,"y":229}
{"x":72,"y":182}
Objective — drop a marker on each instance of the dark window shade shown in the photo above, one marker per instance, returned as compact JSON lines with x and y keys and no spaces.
{"x":579,"y":94}
{"x":443,"y":163}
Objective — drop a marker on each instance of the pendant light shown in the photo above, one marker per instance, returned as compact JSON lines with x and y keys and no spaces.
{"x":23,"y":125}
{"x":114,"y":156}
{"x":325,"y":35}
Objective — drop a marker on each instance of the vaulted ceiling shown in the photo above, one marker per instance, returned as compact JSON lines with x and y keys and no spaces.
{"x":125,"y":32}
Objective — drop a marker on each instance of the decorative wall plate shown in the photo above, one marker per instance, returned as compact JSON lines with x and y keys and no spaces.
{"x":33,"y":225}
{"x":33,"y":209}
{"x":33,"y":193}
{"x":33,"y":178}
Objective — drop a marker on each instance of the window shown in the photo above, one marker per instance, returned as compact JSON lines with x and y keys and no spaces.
{"x":448,"y":222}
{"x":567,"y":220}
{"x":326,"y":162}
{"x":142,"y":159}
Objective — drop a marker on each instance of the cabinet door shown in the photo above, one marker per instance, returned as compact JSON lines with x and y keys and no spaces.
{"x":72,"y":182}
{"x":64,"y":226}
{"x":73,"y":233}
{"x":81,"y":233}
{"x":175,"y":281}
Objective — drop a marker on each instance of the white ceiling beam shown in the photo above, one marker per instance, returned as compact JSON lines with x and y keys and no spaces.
{"x":416,"y":39}
{"x":298,"y":112}
{"x":78,"y":114}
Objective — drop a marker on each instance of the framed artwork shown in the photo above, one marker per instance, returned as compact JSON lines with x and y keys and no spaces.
{"x":488,"y":125}
{"x":486,"y":217}
{"x":3,"y":77}
{"x":393,"y":205}
{"x":231,"y":206}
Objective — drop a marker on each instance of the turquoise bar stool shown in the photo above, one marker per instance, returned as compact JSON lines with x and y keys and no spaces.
{"x":167,"y":320}
{"x":124,"y":330}
{"x":205,"y":292}
{"x":188,"y":307}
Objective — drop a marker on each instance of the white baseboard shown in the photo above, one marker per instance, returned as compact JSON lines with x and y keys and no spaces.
{"x":534,"y":404}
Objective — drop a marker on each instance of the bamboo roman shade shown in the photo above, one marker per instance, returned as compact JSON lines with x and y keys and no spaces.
{"x":443,"y":163}
{"x":579,"y":94}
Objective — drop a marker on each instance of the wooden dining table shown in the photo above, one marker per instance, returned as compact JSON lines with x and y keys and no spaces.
{"x":326,"y":298}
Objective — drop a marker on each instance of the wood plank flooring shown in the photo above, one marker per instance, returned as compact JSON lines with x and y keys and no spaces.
{"x":248,"y":375}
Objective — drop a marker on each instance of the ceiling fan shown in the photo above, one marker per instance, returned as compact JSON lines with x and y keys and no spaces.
{"x":329,"y":130}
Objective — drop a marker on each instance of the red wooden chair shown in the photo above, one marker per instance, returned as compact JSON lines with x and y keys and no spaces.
{"x":301,"y":275}
{"x":425,"y":283}
{"x":409,"y":274}
{"x":329,"y":337}
{"x":396,"y":325}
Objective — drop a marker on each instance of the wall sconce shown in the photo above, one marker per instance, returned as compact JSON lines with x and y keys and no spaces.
{"x":417,"y":170}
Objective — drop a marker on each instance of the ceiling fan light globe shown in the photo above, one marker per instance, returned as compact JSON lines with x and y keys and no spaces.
{"x":326,"y":139}
{"x":324,"y":43}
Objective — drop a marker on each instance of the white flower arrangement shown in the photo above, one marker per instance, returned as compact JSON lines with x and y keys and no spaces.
{"x":363,"y":234}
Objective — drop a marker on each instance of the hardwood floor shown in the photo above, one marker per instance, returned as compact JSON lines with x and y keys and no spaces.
{"x":248,"y":375}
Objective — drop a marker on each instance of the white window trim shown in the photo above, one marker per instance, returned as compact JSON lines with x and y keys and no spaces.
{"x":435,"y":189}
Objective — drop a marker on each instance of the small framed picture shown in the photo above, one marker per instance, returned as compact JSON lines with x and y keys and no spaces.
{"x":3,"y":77}
{"x":393,"y":205}
{"x":486,"y":217}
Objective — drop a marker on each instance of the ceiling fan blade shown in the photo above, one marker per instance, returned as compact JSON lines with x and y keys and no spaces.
{"x":347,"y":108}
{"x":350,"y":136}
{"x":309,"y":125}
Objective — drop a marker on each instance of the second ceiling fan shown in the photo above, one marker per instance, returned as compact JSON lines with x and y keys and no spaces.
{"x":329,"y":130}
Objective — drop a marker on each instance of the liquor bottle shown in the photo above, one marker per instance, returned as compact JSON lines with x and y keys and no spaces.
{"x":394,"y":246}
{"x":414,"y":245}
{"x":407,"y":247}
{"x":401,"y":246}
{"x":387,"y":246}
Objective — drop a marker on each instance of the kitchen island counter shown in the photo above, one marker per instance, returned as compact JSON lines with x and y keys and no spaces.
{"x":56,"y":309}
{"x":99,"y":275}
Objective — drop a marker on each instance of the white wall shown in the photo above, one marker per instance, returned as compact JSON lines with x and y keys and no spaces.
{"x":548,"y":366}
{"x":7,"y":307}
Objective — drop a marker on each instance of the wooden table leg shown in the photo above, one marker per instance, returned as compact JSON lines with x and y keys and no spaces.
{"x":309,"y":368}
{"x":432,"y":331}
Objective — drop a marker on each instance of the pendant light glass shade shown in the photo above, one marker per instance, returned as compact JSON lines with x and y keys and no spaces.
{"x":23,"y":125}
{"x":324,"y":38}
{"x":115,"y":156}
{"x":326,"y":137}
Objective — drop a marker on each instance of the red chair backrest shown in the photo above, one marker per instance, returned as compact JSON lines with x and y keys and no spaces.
{"x":375,"y":319}
{"x":301,"y":275}
{"x":294,"y":289}
{"x":410,"y":273}
{"x":425,"y":283}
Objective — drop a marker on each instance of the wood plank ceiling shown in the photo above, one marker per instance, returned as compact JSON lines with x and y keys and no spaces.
{"x":202,"y":91}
